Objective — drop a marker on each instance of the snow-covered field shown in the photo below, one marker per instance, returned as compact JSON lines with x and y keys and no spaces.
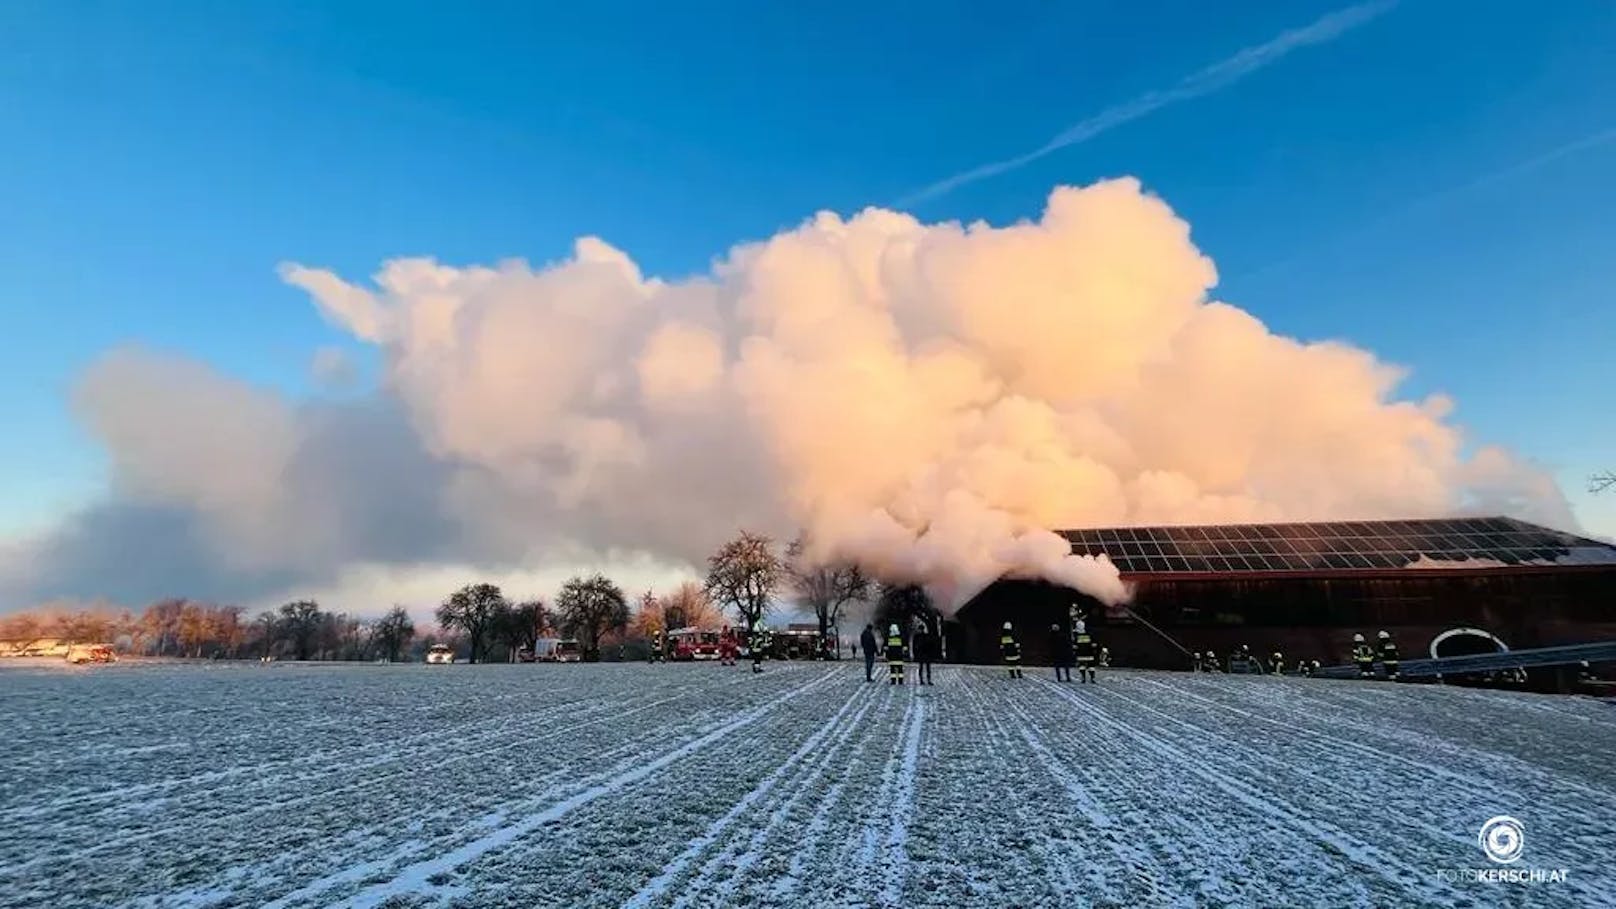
{"x":695,"y":785}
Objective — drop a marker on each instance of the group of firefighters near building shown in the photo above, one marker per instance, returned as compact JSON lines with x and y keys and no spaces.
{"x":1241,"y":660}
{"x":1073,"y":649}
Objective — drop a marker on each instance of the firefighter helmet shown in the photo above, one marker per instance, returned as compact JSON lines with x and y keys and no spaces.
{"x":1383,"y":635}
{"x":1007,"y":626}
{"x":892,"y":629}
{"x":1357,"y":639}
{"x":1054,"y":626}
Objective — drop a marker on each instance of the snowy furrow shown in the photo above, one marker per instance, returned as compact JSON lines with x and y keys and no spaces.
{"x":803,"y":787}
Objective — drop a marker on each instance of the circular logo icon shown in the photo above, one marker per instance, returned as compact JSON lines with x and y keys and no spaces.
{"x":1502,"y":838}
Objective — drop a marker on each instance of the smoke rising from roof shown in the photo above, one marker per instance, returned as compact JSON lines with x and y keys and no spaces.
{"x":928,"y":399}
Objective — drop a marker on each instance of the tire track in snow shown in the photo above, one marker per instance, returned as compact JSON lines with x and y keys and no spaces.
{"x":122,"y":793}
{"x":835,"y":730}
{"x":599,"y":713}
{"x":1367,"y":858}
{"x":1005,"y":742}
{"x":416,"y":878}
{"x":1240,"y":758}
{"x":1465,"y":753}
{"x":895,"y":848}
{"x":1105,"y":828}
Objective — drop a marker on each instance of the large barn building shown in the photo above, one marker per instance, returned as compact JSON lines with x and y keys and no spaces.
{"x":1441,"y":587}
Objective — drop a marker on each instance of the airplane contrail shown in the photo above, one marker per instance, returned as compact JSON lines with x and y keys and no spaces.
{"x":1219,"y":75}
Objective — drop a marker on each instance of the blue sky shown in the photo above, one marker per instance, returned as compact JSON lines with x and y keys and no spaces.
{"x":1434,"y":184}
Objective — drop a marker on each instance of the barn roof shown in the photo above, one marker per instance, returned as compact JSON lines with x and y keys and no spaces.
{"x":1338,"y":546}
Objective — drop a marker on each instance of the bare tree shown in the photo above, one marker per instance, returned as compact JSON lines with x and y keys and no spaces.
{"x":589,"y":609}
{"x":902,"y":603}
{"x":743,"y":575}
{"x":826,"y":588}
{"x":528,"y":621}
{"x":392,"y":633}
{"x":690,"y":606}
{"x":300,"y":623}
{"x":1602,"y":481}
{"x":654,"y":615}
{"x":474,"y":609}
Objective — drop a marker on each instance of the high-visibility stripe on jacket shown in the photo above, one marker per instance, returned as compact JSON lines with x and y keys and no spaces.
{"x":1012,"y":650}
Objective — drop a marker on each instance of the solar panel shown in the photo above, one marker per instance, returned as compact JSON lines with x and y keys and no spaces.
{"x":1338,"y":546}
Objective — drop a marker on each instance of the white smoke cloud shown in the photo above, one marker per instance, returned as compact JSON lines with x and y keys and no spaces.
{"x":932,"y":400}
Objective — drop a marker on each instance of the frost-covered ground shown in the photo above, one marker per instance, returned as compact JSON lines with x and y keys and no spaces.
{"x":695,"y":785}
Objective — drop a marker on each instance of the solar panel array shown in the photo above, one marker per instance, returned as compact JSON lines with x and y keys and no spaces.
{"x":1338,"y":546}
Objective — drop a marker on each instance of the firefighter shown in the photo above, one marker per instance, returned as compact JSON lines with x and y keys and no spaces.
{"x":1277,"y":661}
{"x":727,"y":647}
{"x":1239,"y":659}
{"x":923,"y":647}
{"x":1011,"y":649}
{"x":1061,"y":653}
{"x":755,"y":643}
{"x":867,"y":642}
{"x":894,"y":655}
{"x":1210,"y":662}
{"x":1105,"y":658}
{"x":1363,"y":656}
{"x":1312,"y":667}
{"x":1083,"y":645}
{"x":1388,"y":655}
{"x":657,"y":653}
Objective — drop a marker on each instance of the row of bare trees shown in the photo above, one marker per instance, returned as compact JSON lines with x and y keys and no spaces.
{"x":191,"y":628}
{"x":747,"y":576}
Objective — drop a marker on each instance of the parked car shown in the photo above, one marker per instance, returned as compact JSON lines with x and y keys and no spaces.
{"x":440,"y":653}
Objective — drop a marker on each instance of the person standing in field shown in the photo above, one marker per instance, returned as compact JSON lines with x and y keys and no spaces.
{"x":1083,"y":644}
{"x":923,"y":645}
{"x":894,"y":655}
{"x":1388,"y":655}
{"x":1011,"y":649}
{"x":755,"y":644}
{"x":867,"y":642}
{"x":1363,"y":656}
{"x":1060,"y":652}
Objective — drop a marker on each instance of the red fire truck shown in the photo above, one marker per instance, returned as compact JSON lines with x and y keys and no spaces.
{"x":692,"y":644}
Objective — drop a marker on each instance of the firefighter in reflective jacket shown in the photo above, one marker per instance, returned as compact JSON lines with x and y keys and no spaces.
{"x":894,"y":656}
{"x":1363,"y":656}
{"x":1277,"y":661}
{"x":755,"y":643}
{"x":1011,"y":648}
{"x":1083,"y":645}
{"x":657,"y":652}
{"x":1210,"y":662}
{"x":1388,"y":655}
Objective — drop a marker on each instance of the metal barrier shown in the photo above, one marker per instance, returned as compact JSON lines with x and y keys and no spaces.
{"x":1567,"y":655}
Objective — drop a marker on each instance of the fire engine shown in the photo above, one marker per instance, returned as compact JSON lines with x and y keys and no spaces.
{"x":692,"y":644}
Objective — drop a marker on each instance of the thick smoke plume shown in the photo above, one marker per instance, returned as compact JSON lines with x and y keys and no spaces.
{"x":931,"y":400}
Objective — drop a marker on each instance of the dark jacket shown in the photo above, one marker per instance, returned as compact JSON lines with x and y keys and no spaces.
{"x":924,"y":645}
{"x":1060,"y":648}
{"x":867,"y":641}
